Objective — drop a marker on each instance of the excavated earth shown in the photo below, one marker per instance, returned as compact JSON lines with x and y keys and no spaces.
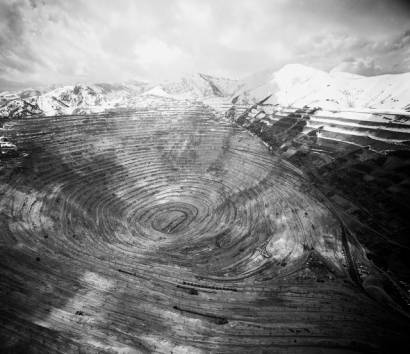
{"x":167,"y":230}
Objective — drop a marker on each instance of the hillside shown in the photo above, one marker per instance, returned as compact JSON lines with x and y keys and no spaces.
{"x":297,"y":85}
{"x":70,"y":99}
{"x":292,"y":86}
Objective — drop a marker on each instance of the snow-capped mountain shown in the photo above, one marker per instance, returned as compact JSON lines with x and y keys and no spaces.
{"x":298,"y":85}
{"x":200,"y":86}
{"x":292,"y":86}
{"x":13,"y":106}
{"x":73,"y":99}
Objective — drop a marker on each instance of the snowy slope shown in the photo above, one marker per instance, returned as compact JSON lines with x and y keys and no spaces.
{"x":73,"y":99}
{"x":298,"y":85}
{"x":156,"y":91}
{"x":294,"y":85}
{"x":199,"y":86}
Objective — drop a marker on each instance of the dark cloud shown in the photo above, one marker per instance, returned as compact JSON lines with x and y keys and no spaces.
{"x":386,"y":56}
{"x":15,"y":52}
{"x":362,"y":66}
{"x":11,"y":16}
{"x":403,"y":41}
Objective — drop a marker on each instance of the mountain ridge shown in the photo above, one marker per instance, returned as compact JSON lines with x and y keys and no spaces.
{"x":294,"y":85}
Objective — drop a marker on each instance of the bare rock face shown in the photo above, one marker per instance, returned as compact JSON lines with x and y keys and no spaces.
{"x":166,"y":230}
{"x":359,"y":161}
{"x":19,"y":108}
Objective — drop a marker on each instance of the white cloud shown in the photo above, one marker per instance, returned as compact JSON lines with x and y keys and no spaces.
{"x":159,"y":58}
{"x":103,"y":40}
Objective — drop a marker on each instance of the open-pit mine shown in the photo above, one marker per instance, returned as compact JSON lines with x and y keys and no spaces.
{"x":173,"y":229}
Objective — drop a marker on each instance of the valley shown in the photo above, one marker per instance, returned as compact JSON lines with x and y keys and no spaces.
{"x":175,"y":222}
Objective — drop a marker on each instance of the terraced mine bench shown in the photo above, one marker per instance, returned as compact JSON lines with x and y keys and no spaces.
{"x":166,"y":230}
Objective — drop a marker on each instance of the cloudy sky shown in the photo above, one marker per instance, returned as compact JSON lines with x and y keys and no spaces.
{"x":67,"y":41}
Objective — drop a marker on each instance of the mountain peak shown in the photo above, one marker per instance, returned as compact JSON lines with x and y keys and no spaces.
{"x":293,"y":85}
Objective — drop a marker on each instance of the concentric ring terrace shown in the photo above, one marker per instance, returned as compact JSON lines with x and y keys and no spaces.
{"x":166,"y":230}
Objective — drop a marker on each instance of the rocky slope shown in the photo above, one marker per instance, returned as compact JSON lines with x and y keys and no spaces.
{"x":359,"y":161}
{"x":165,"y":230}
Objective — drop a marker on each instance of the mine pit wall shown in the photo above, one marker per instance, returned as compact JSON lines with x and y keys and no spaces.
{"x":359,"y":162}
{"x":91,"y":260}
